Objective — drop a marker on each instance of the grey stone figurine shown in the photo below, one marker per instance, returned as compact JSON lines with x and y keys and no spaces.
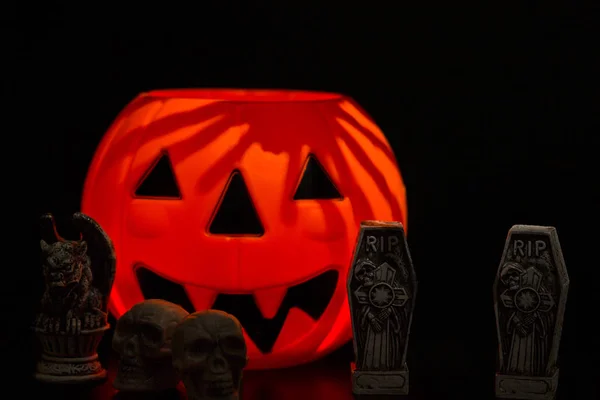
{"x":209,"y":352}
{"x":78,"y":277}
{"x":530,"y":293}
{"x":143,"y":341}
{"x":382,"y":286}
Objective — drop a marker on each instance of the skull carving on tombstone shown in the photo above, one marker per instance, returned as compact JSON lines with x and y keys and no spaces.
{"x":209,"y":352}
{"x":510,"y":275}
{"x":143,"y":340}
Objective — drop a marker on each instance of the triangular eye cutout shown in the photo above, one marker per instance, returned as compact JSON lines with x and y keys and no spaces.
{"x":236,"y":214}
{"x":159,"y":181}
{"x":315,"y":183}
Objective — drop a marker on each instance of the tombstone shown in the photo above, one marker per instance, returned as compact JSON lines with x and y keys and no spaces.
{"x":530,"y":292}
{"x":381,"y":289}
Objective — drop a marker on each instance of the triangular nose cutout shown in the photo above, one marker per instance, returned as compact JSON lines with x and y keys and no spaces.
{"x":236,"y":214}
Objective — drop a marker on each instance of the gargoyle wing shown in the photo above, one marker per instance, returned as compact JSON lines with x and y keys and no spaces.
{"x":48,"y":229}
{"x":101,"y":252}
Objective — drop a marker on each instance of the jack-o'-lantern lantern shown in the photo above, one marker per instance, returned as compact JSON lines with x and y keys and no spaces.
{"x":246,"y":201}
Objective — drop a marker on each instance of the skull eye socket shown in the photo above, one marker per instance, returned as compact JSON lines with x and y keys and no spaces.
{"x":201,"y":347}
{"x":151,"y":335}
{"x":232,"y":344}
{"x":124,"y":330}
{"x":124,"y":325}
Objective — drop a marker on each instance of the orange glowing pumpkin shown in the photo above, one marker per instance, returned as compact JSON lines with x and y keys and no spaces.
{"x":247,"y":201}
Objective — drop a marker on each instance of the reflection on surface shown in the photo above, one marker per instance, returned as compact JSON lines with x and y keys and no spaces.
{"x":440,"y":369}
{"x":166,"y":395}
{"x":315,"y":381}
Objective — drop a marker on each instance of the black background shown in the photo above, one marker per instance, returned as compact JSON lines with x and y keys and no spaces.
{"x":489,"y":112}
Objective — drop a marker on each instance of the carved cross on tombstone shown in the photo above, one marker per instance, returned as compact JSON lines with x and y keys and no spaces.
{"x":381,"y":288}
{"x":382,"y":293}
{"x":530,"y":294}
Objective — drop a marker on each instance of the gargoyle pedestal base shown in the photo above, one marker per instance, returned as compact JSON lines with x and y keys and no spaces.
{"x":68,"y":358}
{"x":379,"y":382}
{"x":526,"y":387}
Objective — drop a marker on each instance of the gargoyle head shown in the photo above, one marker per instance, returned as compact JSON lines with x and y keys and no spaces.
{"x":64,"y":262}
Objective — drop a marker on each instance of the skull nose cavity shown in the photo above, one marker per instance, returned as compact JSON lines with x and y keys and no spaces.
{"x":130,"y":349}
{"x":217,"y":365}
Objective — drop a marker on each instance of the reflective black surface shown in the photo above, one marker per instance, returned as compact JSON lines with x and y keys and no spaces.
{"x":329,"y":379}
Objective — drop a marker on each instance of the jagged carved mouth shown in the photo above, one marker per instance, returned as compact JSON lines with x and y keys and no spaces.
{"x":312,"y":297}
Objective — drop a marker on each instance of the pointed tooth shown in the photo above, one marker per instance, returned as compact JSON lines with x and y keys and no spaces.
{"x":297,"y":325}
{"x":201,"y":298}
{"x":250,"y":346}
{"x":268,"y":301}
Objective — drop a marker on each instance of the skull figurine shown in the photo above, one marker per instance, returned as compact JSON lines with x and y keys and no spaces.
{"x":143,"y":340}
{"x":510,"y":275}
{"x":209,"y":352}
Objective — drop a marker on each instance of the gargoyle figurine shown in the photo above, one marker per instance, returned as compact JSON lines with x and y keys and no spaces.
{"x":73,"y":300}
{"x":78,"y":277}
